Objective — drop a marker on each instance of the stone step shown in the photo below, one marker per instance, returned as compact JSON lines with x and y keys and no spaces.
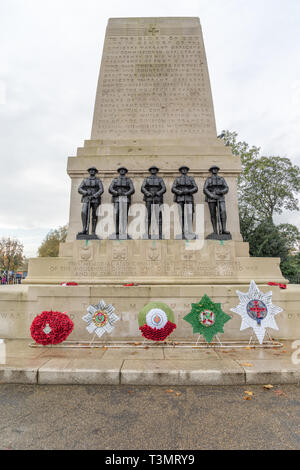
{"x":162,"y":366}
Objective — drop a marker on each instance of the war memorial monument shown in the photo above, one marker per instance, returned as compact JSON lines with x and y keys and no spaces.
{"x":153,"y":143}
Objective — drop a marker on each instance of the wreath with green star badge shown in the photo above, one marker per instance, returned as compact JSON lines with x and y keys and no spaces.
{"x":207,"y":318}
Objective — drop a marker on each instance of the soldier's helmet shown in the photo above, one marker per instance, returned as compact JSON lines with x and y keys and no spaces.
{"x":214,"y":167}
{"x":184,"y":167}
{"x":93,"y":168}
{"x":122,"y":168}
{"x":153,"y":168}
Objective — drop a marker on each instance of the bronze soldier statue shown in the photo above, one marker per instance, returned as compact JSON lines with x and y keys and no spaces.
{"x":91,"y":189}
{"x":121,"y":189}
{"x":215,"y":188}
{"x":184,"y":188}
{"x":153,"y":189}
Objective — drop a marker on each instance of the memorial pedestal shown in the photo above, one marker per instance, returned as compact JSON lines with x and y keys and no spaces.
{"x":154,"y":262}
{"x":21,"y":303}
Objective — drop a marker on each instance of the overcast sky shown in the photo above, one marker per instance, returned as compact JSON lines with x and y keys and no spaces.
{"x":50,"y":52}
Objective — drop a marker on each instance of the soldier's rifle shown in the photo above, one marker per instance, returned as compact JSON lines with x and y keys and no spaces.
{"x":88,"y":215}
{"x":219,"y":223}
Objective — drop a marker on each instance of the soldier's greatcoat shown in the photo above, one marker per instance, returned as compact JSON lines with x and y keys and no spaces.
{"x":215,"y":185}
{"x":153,"y":189}
{"x":91,"y":187}
{"x":121,"y":187}
{"x":182,"y":183}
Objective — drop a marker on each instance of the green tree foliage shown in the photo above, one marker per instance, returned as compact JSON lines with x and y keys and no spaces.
{"x":290,"y":268}
{"x":267,"y":186}
{"x":291,"y":235}
{"x":11,"y":254}
{"x":268,"y":241}
{"x":50,"y":245}
{"x":241,"y":149}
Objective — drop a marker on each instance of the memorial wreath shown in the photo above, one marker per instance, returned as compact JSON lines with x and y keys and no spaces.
{"x":156,"y":321}
{"x":207,"y":318}
{"x":100,"y":318}
{"x":257,"y":311}
{"x":51,"y":328}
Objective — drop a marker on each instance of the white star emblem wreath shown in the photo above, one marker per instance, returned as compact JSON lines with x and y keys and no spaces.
{"x":100,"y":318}
{"x":257,"y":311}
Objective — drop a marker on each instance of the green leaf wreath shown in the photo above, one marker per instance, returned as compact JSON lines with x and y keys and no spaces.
{"x":207,"y":318}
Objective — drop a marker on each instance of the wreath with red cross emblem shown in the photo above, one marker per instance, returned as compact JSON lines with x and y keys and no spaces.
{"x":257,"y":311}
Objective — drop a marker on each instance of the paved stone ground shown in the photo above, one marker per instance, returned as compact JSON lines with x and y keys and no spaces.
{"x":21,"y":364}
{"x":126,"y":417}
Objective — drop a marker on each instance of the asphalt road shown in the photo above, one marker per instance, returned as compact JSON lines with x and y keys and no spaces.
{"x":121,"y":417}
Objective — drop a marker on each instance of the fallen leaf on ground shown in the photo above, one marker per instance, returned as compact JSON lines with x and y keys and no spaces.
{"x":170,"y":391}
{"x":137,"y":344}
{"x":178,"y":394}
{"x":250,"y":394}
{"x":280,"y":393}
{"x":268,"y":387}
{"x":247,"y":364}
{"x":247,"y":398}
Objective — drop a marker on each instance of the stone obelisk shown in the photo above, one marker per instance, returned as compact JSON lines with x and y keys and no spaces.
{"x":154,"y":82}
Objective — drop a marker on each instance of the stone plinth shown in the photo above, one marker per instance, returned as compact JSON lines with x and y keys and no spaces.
{"x":146,"y":262}
{"x":20,"y":304}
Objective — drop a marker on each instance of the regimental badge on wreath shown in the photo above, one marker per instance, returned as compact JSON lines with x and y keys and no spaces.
{"x":257,"y":311}
{"x":156,"y":321}
{"x":207,"y":318}
{"x":100,"y":318}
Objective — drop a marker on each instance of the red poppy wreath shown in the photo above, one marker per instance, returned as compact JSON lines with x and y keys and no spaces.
{"x":156,"y":321}
{"x":51,"y":328}
{"x":64,"y":284}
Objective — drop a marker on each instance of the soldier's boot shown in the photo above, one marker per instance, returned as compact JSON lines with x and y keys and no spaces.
{"x":160,"y":230}
{"x":182,"y":222}
{"x":84,"y":224}
{"x":214,"y":224}
{"x":94,"y":225}
{"x":149,"y":229}
{"x":182,"y":228}
{"x":223,"y":222}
